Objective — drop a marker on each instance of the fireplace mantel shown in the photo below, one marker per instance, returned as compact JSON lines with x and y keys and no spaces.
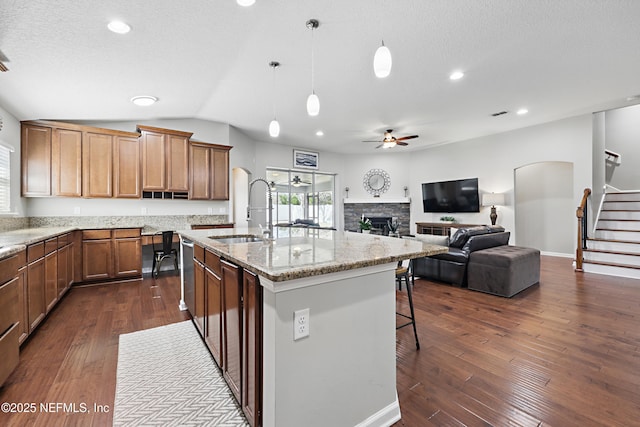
{"x":377,"y":200}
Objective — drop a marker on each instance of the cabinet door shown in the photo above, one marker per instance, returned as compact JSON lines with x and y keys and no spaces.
{"x":177,"y":163}
{"x":36,"y":161}
{"x":220,"y":174}
{"x":66,"y":163}
{"x":23,"y":304}
{"x":97,"y":258}
{"x":63,"y":270}
{"x":153,"y":161}
{"x":51,"y":279}
{"x":213,"y":336}
{"x":127,"y":257}
{"x":200,"y":185}
{"x":232,"y":335}
{"x":126,"y":165}
{"x":35,"y":293}
{"x":199,"y":286}
{"x":97,"y":166}
{"x":252,"y":348}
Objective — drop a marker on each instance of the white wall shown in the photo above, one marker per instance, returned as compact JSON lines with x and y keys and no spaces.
{"x":10,"y":136}
{"x":622,"y":135}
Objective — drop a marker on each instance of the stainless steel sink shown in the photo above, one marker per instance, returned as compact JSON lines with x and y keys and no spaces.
{"x":236,"y":239}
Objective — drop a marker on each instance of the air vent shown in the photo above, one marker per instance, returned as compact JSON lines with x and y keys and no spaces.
{"x":0,"y":123}
{"x":498,"y":113}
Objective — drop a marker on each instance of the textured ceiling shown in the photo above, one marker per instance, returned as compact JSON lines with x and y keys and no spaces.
{"x":209,"y":59}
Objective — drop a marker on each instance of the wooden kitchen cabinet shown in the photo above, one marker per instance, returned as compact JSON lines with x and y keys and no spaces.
{"x":252,"y":348}
{"x":23,"y":300}
{"x":97,"y":169}
{"x":111,"y":254}
{"x":126,"y":168}
{"x":36,"y":284}
{"x":232,"y":337}
{"x":165,"y":159}
{"x":36,"y":160}
{"x":213,"y":336}
{"x":198,"y":311}
{"x":66,"y":163}
{"x":51,"y":274}
{"x":9,"y":317}
{"x":209,"y":176}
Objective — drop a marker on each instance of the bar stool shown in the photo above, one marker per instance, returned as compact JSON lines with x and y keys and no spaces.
{"x":402,"y":273}
{"x":163,"y":252}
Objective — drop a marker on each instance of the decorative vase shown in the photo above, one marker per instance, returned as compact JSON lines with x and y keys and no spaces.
{"x":394,"y":234}
{"x":366,"y":231}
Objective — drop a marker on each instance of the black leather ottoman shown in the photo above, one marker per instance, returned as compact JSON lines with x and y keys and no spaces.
{"x":503,"y":270}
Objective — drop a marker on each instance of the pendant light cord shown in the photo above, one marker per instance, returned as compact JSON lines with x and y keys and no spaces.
{"x":312,"y":61}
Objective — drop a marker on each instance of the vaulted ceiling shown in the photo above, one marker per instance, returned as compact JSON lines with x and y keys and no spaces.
{"x":209,"y":59}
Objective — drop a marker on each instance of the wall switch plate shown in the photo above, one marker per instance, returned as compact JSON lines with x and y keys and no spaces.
{"x":143,"y":211}
{"x":300,"y":324}
{"x":209,"y":211}
{"x":76,"y":210}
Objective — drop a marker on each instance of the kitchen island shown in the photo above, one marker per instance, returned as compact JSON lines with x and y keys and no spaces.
{"x":344,"y":372}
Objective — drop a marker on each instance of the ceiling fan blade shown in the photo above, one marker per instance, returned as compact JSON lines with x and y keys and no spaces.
{"x":379,"y":145}
{"x":372,"y":141}
{"x":401,"y":143}
{"x":407,"y":137}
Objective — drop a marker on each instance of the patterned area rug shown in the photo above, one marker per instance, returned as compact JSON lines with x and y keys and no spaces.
{"x":166,"y":377}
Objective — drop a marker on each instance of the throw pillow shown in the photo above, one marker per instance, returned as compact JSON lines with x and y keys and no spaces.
{"x":432,"y":239}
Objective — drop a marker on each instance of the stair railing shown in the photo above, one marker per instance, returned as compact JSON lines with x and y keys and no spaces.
{"x":581,"y":213}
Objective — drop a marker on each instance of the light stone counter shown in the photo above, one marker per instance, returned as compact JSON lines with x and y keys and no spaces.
{"x":303,"y":252}
{"x":12,"y":242}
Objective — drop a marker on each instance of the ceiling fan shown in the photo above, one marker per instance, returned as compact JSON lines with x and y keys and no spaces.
{"x":391,"y":141}
{"x":297,"y":182}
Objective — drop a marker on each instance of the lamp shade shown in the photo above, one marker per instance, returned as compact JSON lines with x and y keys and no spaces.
{"x":382,"y":62}
{"x":313,"y":104}
{"x":274,"y":128}
{"x":493,"y":199}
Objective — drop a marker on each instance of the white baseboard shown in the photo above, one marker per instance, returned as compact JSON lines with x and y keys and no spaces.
{"x":385,"y":417}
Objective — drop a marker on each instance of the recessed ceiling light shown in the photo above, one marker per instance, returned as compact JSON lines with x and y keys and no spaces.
{"x":456,"y":75}
{"x":319,"y":133}
{"x":522,"y":111}
{"x":144,"y":100}
{"x":119,"y":27}
{"x":245,"y":3}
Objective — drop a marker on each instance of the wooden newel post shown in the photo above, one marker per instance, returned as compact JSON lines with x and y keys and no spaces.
{"x":580,"y":215}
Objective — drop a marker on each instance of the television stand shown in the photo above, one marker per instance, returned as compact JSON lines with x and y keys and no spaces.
{"x":440,"y":228}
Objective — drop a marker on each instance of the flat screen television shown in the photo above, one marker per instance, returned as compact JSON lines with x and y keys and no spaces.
{"x":451,"y":196}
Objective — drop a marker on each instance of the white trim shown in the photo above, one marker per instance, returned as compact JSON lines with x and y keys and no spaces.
{"x":304,"y":282}
{"x":385,"y":417}
{"x":557,"y":254}
{"x":8,"y":147}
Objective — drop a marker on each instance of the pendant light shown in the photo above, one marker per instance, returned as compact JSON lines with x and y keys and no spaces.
{"x":382,"y":61}
{"x":274,"y":126}
{"x":313,"y":102}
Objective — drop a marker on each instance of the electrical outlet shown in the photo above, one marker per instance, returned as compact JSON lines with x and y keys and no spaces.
{"x":210,"y":211}
{"x":300,"y":324}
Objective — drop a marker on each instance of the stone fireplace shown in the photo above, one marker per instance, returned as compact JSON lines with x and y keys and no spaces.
{"x":379,"y":213}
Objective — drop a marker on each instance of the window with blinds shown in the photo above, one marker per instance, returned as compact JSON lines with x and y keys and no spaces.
{"x":5,"y":179}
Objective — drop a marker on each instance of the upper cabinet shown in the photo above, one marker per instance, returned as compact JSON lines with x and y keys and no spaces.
{"x":209,"y":177}
{"x":70,"y":160}
{"x":165,"y":159}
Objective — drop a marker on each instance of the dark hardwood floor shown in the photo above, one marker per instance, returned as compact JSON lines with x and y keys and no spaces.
{"x":562,"y":353}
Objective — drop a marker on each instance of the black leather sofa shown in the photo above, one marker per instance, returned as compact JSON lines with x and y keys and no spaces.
{"x":451,"y":267}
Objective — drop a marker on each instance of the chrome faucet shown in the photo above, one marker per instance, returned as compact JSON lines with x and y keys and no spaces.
{"x":269,"y":231}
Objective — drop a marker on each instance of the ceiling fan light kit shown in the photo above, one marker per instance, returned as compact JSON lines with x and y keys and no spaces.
{"x":245,"y":3}
{"x":144,"y":100}
{"x":382,"y":62}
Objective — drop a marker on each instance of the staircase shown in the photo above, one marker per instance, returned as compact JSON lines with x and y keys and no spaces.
{"x":615,"y":248}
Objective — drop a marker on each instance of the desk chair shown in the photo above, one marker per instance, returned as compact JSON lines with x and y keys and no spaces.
{"x":166,"y":250}
{"x":404,"y":270}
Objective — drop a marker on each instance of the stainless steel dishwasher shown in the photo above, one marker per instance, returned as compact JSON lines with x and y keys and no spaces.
{"x":186,"y":276}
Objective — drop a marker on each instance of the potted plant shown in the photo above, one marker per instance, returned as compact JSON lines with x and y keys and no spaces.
{"x":393,"y":228}
{"x":447,"y":219}
{"x":365,"y":225}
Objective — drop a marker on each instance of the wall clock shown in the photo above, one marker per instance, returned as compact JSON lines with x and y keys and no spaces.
{"x":376,"y":182}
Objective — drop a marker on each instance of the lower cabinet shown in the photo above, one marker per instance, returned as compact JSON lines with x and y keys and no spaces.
{"x":228,"y":315}
{"x":9,"y":314}
{"x":37,"y":307}
{"x":111,"y":254}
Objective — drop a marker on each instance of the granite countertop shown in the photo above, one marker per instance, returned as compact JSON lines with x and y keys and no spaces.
{"x":304,"y":252}
{"x":12,"y":242}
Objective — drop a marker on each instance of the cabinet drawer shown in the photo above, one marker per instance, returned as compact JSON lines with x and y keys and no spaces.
{"x":8,"y":305}
{"x":96,"y":234}
{"x":64,"y":240}
{"x":9,"y":352}
{"x":35,"y":251}
{"x":126,"y":232}
{"x":198,"y":253}
{"x":212,"y":261}
{"x":50,"y":245}
{"x":9,"y":267}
